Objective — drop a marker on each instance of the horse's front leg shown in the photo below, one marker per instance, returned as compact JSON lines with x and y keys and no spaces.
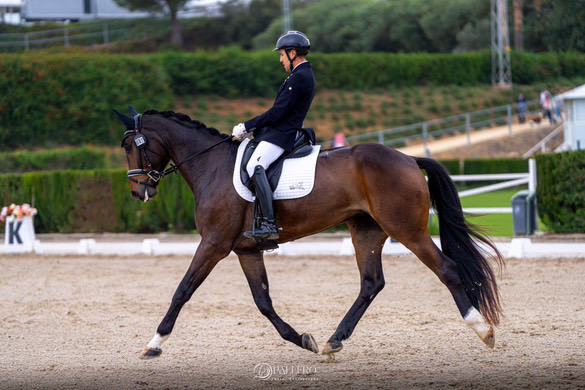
{"x":253,"y":267}
{"x":205,"y":259}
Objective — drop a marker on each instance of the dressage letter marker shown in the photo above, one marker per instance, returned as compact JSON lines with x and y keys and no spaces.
{"x":13,"y":234}
{"x":20,"y":234}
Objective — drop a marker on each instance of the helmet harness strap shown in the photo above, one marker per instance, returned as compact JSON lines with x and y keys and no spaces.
{"x":287,"y":51}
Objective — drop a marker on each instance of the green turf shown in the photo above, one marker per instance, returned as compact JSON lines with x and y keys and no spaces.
{"x":498,"y":225}
{"x":495,"y":224}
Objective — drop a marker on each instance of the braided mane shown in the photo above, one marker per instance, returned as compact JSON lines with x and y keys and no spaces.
{"x":187,"y":121}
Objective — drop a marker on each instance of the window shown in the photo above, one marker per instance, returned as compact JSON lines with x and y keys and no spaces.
{"x":87,"y":6}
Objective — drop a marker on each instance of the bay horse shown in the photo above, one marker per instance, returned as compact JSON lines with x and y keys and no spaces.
{"x":379,"y":192}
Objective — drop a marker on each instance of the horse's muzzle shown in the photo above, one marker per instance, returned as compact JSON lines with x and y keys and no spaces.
{"x":144,"y":194}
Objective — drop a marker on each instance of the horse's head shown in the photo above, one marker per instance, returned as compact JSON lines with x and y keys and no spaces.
{"x":146,"y":156}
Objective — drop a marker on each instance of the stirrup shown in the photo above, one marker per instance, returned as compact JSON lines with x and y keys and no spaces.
{"x":264,"y":230}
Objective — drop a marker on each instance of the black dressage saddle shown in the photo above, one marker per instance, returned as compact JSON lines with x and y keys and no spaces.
{"x":303,"y":147}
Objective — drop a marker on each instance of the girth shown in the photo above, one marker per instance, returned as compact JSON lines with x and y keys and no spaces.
{"x":302,"y":147}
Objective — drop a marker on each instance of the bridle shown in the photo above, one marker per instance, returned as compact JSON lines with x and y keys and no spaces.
{"x":141,"y":143}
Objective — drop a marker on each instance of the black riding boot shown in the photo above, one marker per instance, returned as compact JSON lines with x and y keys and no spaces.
{"x":264,"y":226}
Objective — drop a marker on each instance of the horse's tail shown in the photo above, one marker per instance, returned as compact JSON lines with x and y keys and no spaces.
{"x":460,"y":241}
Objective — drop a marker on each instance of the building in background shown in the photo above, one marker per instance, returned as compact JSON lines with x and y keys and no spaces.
{"x":75,"y":10}
{"x":574,"y":103}
{"x":10,"y":11}
{"x":84,"y":10}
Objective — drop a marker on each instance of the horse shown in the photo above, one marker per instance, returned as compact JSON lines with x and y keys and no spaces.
{"x":377,"y":191}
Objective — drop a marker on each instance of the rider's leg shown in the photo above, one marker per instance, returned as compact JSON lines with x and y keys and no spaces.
{"x":264,"y":155}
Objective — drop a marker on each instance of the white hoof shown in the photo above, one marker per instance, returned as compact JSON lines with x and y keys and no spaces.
{"x":475,"y":321}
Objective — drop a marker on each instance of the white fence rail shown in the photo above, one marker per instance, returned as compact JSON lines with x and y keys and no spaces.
{"x":542,"y":144}
{"x":508,"y":180}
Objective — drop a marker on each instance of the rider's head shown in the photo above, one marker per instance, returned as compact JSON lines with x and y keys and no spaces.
{"x":293,"y":47}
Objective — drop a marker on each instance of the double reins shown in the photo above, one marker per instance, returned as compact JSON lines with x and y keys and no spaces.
{"x":142,"y":144}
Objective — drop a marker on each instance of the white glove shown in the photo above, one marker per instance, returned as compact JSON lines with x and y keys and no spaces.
{"x":239,"y":132}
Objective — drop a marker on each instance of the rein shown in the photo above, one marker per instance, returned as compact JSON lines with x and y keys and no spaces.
{"x":142,"y":145}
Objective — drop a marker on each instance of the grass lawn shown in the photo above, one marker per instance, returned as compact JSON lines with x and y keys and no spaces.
{"x":500,"y":225}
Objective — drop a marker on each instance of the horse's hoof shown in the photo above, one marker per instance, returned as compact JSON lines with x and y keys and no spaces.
{"x":150,"y":353}
{"x":332,"y":347}
{"x":490,"y":338}
{"x":309,"y":342}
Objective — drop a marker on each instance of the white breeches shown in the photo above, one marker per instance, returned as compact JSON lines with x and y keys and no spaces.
{"x":265,"y":154}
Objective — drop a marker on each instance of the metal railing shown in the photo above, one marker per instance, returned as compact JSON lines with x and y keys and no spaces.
{"x":542,"y":144}
{"x":85,"y":34}
{"x":434,"y":129}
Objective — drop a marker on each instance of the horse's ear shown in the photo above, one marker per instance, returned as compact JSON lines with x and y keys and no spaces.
{"x":129,"y":122}
{"x":132,"y":111}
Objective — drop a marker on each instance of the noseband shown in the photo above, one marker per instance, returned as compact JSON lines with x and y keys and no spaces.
{"x":141,"y":143}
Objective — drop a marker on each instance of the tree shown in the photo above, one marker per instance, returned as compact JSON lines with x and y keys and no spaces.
{"x":519,"y":24}
{"x":171,"y":7}
{"x":555,"y":25}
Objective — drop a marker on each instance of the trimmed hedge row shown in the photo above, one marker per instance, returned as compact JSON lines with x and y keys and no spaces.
{"x":48,"y":99}
{"x":51,"y":160}
{"x":231,"y":72}
{"x":561,"y":191}
{"x":237,"y":73}
{"x":98,"y":201}
{"x":484,"y":166}
{"x":528,"y":68}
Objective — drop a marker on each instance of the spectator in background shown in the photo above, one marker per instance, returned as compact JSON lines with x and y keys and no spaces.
{"x":522,"y":108}
{"x":339,"y":140}
{"x":546,"y":102}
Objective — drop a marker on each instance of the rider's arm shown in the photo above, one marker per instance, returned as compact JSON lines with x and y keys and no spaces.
{"x":282,"y":104}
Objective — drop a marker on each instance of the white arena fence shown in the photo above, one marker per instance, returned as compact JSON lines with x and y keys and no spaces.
{"x":516,"y":248}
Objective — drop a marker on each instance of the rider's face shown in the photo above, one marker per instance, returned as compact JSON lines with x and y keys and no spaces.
{"x":284,"y":60}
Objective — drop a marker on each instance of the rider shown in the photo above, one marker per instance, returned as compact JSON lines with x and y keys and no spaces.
{"x":276,"y":129}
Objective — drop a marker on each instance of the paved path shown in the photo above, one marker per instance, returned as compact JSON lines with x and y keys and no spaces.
{"x":478,"y":136}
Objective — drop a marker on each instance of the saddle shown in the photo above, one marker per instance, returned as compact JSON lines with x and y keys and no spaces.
{"x":302,"y":147}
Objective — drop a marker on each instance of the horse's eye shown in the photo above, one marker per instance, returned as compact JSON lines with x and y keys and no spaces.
{"x":128,"y":149}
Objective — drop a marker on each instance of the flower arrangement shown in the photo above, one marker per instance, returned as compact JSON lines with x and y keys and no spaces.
{"x":17,"y":212}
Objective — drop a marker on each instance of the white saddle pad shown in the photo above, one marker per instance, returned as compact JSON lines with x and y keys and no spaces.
{"x":297,"y":178}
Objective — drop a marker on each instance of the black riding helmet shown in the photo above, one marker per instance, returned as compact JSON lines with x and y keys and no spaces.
{"x":292,"y":40}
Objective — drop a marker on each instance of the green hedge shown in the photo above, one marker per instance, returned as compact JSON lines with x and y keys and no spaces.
{"x":528,"y":68}
{"x":484,"y":166}
{"x":232,"y":72}
{"x":453,"y":166}
{"x":561,"y":191}
{"x":500,"y":165}
{"x":51,"y":160}
{"x":50,"y":99}
{"x":237,"y":73}
{"x":98,"y":201}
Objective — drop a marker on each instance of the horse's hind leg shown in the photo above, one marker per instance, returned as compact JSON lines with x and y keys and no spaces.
{"x":253,"y":267}
{"x":447,"y":270}
{"x":368,"y":239}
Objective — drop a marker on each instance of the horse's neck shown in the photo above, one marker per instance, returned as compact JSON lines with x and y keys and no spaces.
{"x":211,"y":166}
